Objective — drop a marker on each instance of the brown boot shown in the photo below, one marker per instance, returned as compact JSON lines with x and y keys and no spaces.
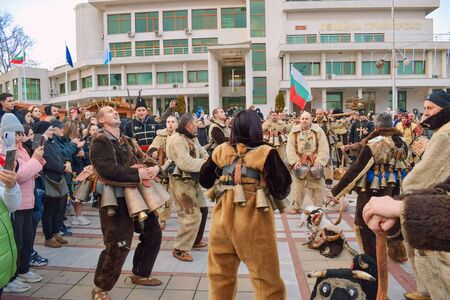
{"x":148,"y":281}
{"x":416,"y":296}
{"x":99,"y":294}
{"x":60,"y":239}
{"x":52,"y":243}
{"x":182,"y":255}
{"x":202,"y":244}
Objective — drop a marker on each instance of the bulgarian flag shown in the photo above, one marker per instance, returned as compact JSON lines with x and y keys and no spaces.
{"x":300,"y":92}
{"x":19,"y":58}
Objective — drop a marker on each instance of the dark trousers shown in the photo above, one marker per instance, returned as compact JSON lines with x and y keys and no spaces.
{"x":52,"y":216}
{"x":22,"y":222}
{"x":201,"y":229}
{"x":117,"y":236}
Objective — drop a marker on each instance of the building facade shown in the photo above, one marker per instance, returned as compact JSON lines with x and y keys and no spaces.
{"x":240,"y":52}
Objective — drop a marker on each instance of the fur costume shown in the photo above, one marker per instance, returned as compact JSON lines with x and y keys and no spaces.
{"x":245,"y":233}
{"x":188,"y":156}
{"x":219,"y":133}
{"x":275,"y":134}
{"x":376,"y":152}
{"x":430,"y":260}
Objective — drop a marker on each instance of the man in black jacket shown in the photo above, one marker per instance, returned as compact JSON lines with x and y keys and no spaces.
{"x":7,"y":106}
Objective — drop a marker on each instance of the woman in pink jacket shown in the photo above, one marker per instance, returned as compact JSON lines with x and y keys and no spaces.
{"x":27,"y":169}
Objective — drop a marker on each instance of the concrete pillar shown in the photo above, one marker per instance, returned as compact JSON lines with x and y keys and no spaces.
{"x":359,"y":65}
{"x":94,"y":78}
{"x":213,"y":82}
{"x":78,"y":81}
{"x":123,"y":74}
{"x":186,"y":103}
{"x":19,"y":86}
{"x":287,"y":66}
{"x":191,"y":104}
{"x":248,"y":79}
{"x":324,"y":98}
{"x":154,"y":76}
{"x":360,"y":93}
{"x":444,"y":64}
{"x":185,"y":75}
{"x":154,"y":107}
{"x":323,"y":66}
{"x":429,"y":63}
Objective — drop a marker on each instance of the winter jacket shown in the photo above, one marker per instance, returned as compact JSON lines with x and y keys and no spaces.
{"x":144,"y":132}
{"x":9,"y":202}
{"x":15,"y":112}
{"x":54,"y":167}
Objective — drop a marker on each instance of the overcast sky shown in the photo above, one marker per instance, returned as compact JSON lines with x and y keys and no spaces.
{"x":52,"y":22}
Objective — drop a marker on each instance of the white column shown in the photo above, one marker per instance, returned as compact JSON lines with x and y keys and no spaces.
{"x":324,"y":98}
{"x":213,"y":82}
{"x":154,"y":76}
{"x":248,"y":79}
{"x":185,"y":75}
{"x":78,"y":81}
{"x":191,"y":104}
{"x":358,"y":65}
{"x":430,"y":63}
{"x":323,"y":66}
{"x":186,"y":103}
{"x":154,"y":108}
{"x":19,"y":85}
{"x":444,"y":63}
{"x":123,"y":74}
{"x":94,"y":78}
{"x":287,"y":65}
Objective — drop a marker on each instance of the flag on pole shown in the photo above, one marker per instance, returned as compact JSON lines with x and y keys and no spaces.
{"x":19,"y":58}
{"x":69,"y":57}
{"x":300,"y":92}
{"x":107,"y":56}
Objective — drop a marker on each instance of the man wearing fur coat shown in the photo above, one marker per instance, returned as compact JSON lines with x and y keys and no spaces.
{"x":160,"y":142}
{"x":184,"y":149}
{"x":219,"y":132}
{"x":424,"y":213}
{"x":377,"y":171}
{"x":275,"y":133}
{"x":307,"y":153}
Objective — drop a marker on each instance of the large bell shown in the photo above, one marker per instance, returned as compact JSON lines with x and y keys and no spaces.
{"x":392,"y":161}
{"x":239,"y":195}
{"x":276,"y":141}
{"x":266,"y":136}
{"x":177,"y":173}
{"x":83,"y":191}
{"x":186,"y":176}
{"x":136,"y":204}
{"x":262,"y":202}
{"x":391,"y":178}
{"x":398,"y":164}
{"x":375,"y":184}
{"x":152,"y":198}
{"x":283,"y":138}
{"x":109,"y":200}
{"x":383,"y":182}
{"x":362,"y":183}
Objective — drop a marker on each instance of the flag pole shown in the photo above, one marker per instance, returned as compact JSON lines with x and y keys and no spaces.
{"x":67,"y":90}
{"x":109,"y":80}
{"x":24,"y":82}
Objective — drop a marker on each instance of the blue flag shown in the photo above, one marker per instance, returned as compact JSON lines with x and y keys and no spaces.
{"x":69,"y":57}
{"x":107,"y":56}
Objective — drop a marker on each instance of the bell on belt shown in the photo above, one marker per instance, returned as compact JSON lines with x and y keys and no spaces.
{"x":152,"y":198}
{"x":266,"y":136}
{"x":375,"y":184}
{"x":283,"y":138}
{"x":391,"y":179}
{"x":362,"y":183}
{"x":239,"y":195}
{"x":392,"y":161}
{"x":186,"y":176}
{"x":176,"y":173}
{"x":398,"y":164}
{"x":262,"y":202}
{"x":383,"y":182}
{"x":276,"y":141}
{"x":109,"y":200}
{"x":83,"y":191}
{"x":135,"y":203}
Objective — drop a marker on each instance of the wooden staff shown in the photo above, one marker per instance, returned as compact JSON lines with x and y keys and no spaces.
{"x":381,"y":245}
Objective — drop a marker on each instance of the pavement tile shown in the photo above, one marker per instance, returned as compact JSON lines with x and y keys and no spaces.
{"x":88,"y":279}
{"x":244,"y":296}
{"x":120,"y":293}
{"x":79,"y":292}
{"x":34,"y":288}
{"x":244,"y":285}
{"x":183,"y":283}
{"x":47,"y":275}
{"x":144,"y":294}
{"x":176,"y":295}
{"x":68,"y":277}
{"x":52,"y":291}
{"x":201,"y":295}
{"x":203,"y":285}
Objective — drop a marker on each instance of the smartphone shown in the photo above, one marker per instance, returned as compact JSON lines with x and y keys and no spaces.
{"x":36,"y":141}
{"x":10,"y":159}
{"x":9,"y":141}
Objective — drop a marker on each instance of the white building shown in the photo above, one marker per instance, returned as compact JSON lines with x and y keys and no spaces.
{"x":239,"y":52}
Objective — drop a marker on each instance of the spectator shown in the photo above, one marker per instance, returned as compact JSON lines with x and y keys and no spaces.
{"x":27,"y":116}
{"x":35,"y":113}
{"x":202,"y":133}
{"x":7,"y":103}
{"x":52,"y":112}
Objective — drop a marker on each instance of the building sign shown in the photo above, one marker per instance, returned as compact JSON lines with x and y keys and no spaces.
{"x":370,"y":26}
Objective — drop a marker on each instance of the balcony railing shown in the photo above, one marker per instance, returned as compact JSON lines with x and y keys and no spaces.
{"x":199,"y":49}
{"x":147,"y":52}
{"x":176,"y":50}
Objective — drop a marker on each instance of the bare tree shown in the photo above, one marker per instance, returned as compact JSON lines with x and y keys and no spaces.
{"x":12,"y":40}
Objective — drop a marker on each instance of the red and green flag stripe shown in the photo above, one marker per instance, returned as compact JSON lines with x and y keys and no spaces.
{"x":300,"y":93}
{"x":19,"y":58}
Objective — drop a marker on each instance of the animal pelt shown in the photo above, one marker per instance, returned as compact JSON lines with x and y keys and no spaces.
{"x":364,"y":262}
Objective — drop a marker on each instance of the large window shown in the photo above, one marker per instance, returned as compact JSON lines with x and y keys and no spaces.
{"x":31,"y":89}
{"x":259,"y":90}
{"x":257,"y":18}
{"x":234,"y":17}
{"x":139,"y":78}
{"x":147,"y":48}
{"x":307,"y":68}
{"x":146,"y":21}
{"x":73,"y":85}
{"x":170,"y":77}
{"x":416,"y":67}
{"x":259,"y":57}
{"x":401,"y":100}
{"x":341,"y":68}
{"x":204,"y":18}
{"x":198,"y":76}
{"x":370,"y":68}
{"x":369,"y":37}
{"x":15,"y":88}
{"x":120,"y":49}
{"x":302,"y":39}
{"x":120,"y":23}
{"x":233,"y":76}
{"x":116,"y":79}
{"x":334,"y":100}
{"x":203,"y":102}
{"x":62,"y":88}
{"x":175,"y":47}
{"x":201,"y":45}
{"x":175,"y":20}
{"x":335,"y":38}
{"x":86,"y":82}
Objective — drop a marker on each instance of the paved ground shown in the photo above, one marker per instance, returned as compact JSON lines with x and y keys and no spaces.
{"x":69,"y":274}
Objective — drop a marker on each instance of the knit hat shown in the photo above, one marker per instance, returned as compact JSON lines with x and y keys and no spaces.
{"x":10,"y":123}
{"x":140,"y":102}
{"x":440,"y":98}
{"x":41,"y":127}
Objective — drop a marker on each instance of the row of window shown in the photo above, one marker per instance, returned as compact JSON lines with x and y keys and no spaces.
{"x":335,"y":38}
{"x":31,"y":88}
{"x":336,"y":100}
{"x":368,"y":68}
